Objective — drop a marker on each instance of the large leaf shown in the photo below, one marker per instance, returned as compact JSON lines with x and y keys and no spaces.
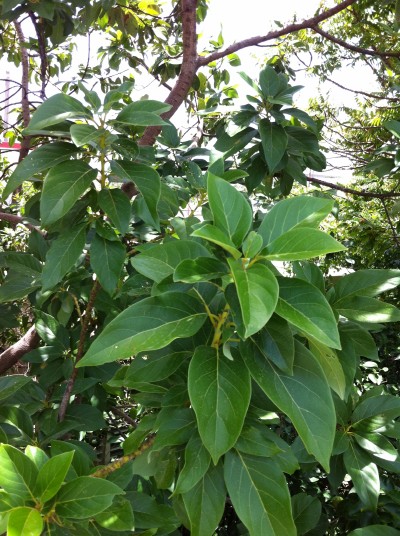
{"x":24,"y":521}
{"x":365,"y":309}
{"x":116,"y":205}
{"x":274,"y":141}
{"x":270,"y":82}
{"x":205,"y":503}
{"x":9,"y":385}
{"x":366,"y":283}
{"x":55,"y":110}
{"x":231,"y":212}
{"x":62,"y":255}
{"x":23,"y":263}
{"x":300,"y":211}
{"x":375,"y":411}
{"x":147,"y":181}
{"x":364,"y":474}
{"x":304,"y":306}
{"x":360,"y":338}
{"x":84,"y":134}
{"x":107,"y":260}
{"x":215,"y":235}
{"x":143,"y":113}
{"x":160,"y":261}
{"x":259,"y":494}
{"x":51,"y":476}
{"x":301,"y":243}
{"x":63,"y":186}
{"x":257,"y":290}
{"x":85,"y":497}
{"x":18,"y":473}
{"x":304,"y":396}
{"x":38,"y":160}
{"x":219,"y":391}
{"x":149,"y":324}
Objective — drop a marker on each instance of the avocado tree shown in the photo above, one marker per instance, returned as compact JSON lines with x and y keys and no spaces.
{"x":186,"y":366}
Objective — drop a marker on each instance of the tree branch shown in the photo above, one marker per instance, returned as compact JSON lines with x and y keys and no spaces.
{"x":14,"y":219}
{"x":42,"y":52}
{"x":351,"y":191}
{"x":26,"y":115}
{"x":365,"y":94}
{"x":291,"y":28}
{"x":390,"y":222}
{"x":354,"y":48}
{"x":13,"y":354}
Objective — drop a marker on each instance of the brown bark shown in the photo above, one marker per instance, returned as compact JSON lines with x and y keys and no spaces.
{"x":26,"y":115}
{"x":13,"y":354}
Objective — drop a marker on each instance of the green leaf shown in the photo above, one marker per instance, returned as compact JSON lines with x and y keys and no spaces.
{"x":24,"y":521}
{"x":38,"y":160}
{"x":301,"y":243}
{"x":304,"y":306}
{"x":300,"y":211}
{"x":118,"y":517}
{"x":303,"y":117}
{"x":276,"y":343}
{"x":205,"y":503}
{"x":85,"y":497}
{"x":274,"y":141}
{"x":259,"y":494}
{"x":62,"y":255}
{"x":258,"y":440}
{"x":197,"y":462}
{"x":200,"y":269}
{"x":391,"y":125}
{"x":9,"y":385}
{"x":23,"y":263}
{"x":17,"y":286}
{"x":18,"y":473}
{"x":364,"y":309}
{"x":375,"y":411}
{"x":215,"y":235}
{"x":364,"y":474}
{"x":160,"y":260}
{"x":117,"y":207}
{"x":143,"y":113}
{"x":360,"y":338}
{"x":257,"y":290}
{"x":84,"y":134}
{"x":64,"y":184}
{"x":331,"y":366}
{"x":304,"y":396}
{"x":366,"y":283}
{"x":378,"y":445}
{"x":270,"y":82}
{"x":52,"y":475}
{"x":375,"y":530}
{"x":147,"y":181}
{"x":55,"y":110}
{"x":149,"y":324}
{"x":219,"y":391}
{"x":231,"y":212}
{"x":252,"y":245}
{"x":306,"y":512}
{"x":107,"y":260}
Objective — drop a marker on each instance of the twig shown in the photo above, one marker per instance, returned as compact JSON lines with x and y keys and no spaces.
{"x":351,"y":191}
{"x":124,"y":416}
{"x":390,"y":222}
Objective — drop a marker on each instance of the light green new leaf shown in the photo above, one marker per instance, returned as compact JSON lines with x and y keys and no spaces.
{"x":205,"y":503}
{"x":215,"y":235}
{"x":52,"y":475}
{"x":42,"y":158}
{"x":364,"y":474}
{"x":219,"y":391}
{"x":375,"y":530}
{"x":62,"y":255}
{"x":160,"y":260}
{"x":107,"y":260}
{"x":24,"y":521}
{"x":366,"y":283}
{"x":146,"y":325}
{"x":55,"y":110}
{"x":300,"y":211}
{"x":257,"y":290}
{"x":62,"y":187}
{"x":84,"y":134}
{"x":304,"y":306}
{"x":116,"y":205}
{"x":200,"y":269}
{"x":18,"y":473}
{"x":304,"y":396}
{"x":301,"y":243}
{"x":197,"y":462}
{"x":259,"y":494}
{"x":85,"y":497}
{"x":365,"y":309}
{"x":231,"y":212}
{"x":147,"y":181}
{"x":274,"y":141}
{"x":331,"y":366}
{"x":9,"y":385}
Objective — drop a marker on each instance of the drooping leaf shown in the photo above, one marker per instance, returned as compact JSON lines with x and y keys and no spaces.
{"x":149,"y":324}
{"x":304,"y":396}
{"x":364,"y":474}
{"x":51,"y":476}
{"x":107,"y":260}
{"x":259,"y":494}
{"x":274,"y":142}
{"x":215,"y":235}
{"x":219,"y":391}
{"x":117,"y":207}
{"x":304,"y":306}
{"x":62,"y":255}
{"x":24,"y":521}
{"x":62,"y":187}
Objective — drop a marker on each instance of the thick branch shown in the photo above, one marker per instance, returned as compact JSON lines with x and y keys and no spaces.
{"x":14,"y":219}
{"x":13,"y":354}
{"x":351,"y":191}
{"x":291,"y":28}
{"x":26,"y":116}
{"x":354,"y":48}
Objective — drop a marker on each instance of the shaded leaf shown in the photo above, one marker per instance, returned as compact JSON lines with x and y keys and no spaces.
{"x":107,"y":260}
{"x":274,"y":141}
{"x":364,"y":475}
{"x":117,"y":207}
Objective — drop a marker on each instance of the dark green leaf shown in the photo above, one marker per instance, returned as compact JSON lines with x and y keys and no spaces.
{"x":374,"y":411}
{"x":215,"y":235}
{"x":9,"y":385}
{"x":197,"y":462}
{"x":378,"y":445}
{"x":118,"y":517}
{"x":107,"y":260}
{"x":330,"y":364}
{"x":200,"y":269}
{"x":306,"y":512}
{"x":276,"y":343}
{"x":23,"y":263}
{"x":364,"y":309}
{"x":270,"y":82}
{"x":360,"y":338}
{"x":366,"y":283}
{"x":84,"y":134}
{"x":274,"y":142}
{"x":54,"y":110}
{"x":117,"y":207}
{"x":375,"y":530}
{"x":364,"y":474}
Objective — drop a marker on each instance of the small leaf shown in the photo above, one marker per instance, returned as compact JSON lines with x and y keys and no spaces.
{"x":215,"y":235}
{"x":107,"y":260}
{"x":274,"y":141}
{"x":364,"y":474}
{"x":117,"y":207}
{"x":24,"y":521}
{"x":52,"y":475}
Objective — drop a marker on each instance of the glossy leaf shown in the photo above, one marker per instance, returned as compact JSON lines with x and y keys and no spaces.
{"x":24,"y":521}
{"x":231,"y":212}
{"x":52,"y":475}
{"x":197,"y":462}
{"x":360,"y":338}
{"x":257,"y":290}
{"x":117,"y":517}
{"x":107,"y":260}
{"x":117,"y":207}
{"x":18,"y":473}
{"x":304,"y":306}
{"x":374,"y":411}
{"x":304,"y":396}
{"x":215,"y":235}
{"x":300,"y":211}
{"x":149,"y":324}
{"x":64,"y":184}
{"x":259,"y":494}
{"x":274,"y":142}
{"x":219,"y":391}
{"x":62,"y":255}
{"x":378,"y":445}
{"x":366,"y":283}
{"x":365,"y":309}
{"x":364,"y":475}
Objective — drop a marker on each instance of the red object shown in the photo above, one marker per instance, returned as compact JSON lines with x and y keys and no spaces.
{"x":5,"y":145}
